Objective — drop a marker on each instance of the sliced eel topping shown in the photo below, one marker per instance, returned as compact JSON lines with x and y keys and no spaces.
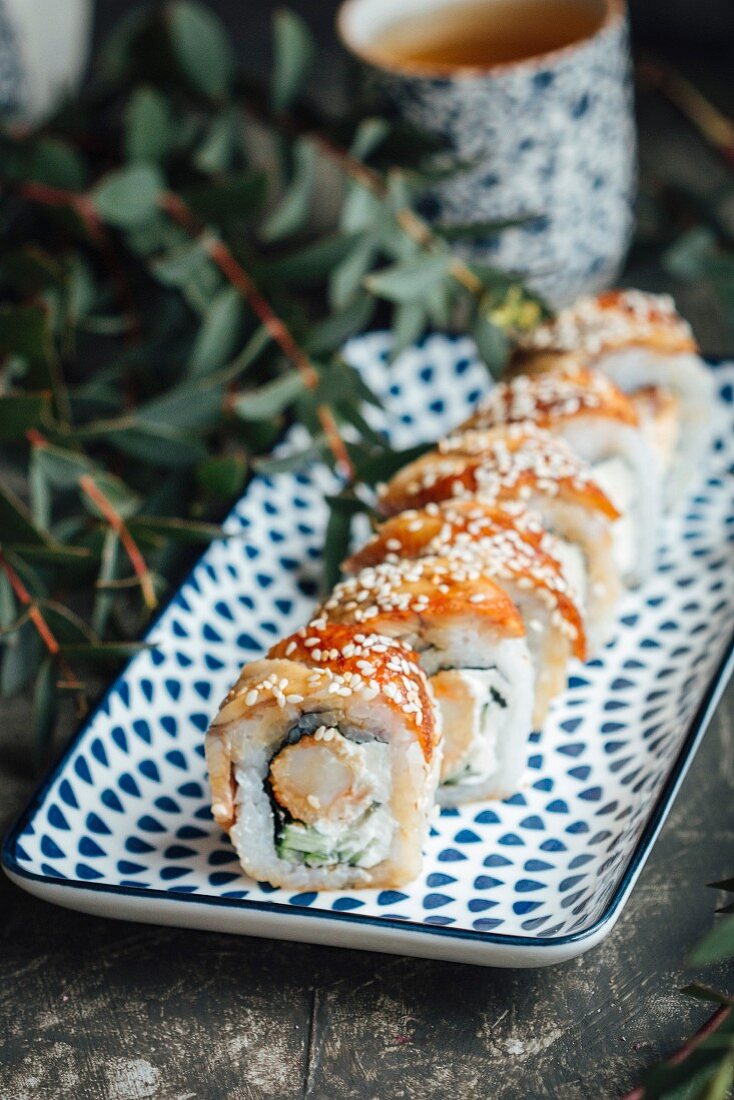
{"x":508,"y":463}
{"x":412,"y":595}
{"x":493,"y":546}
{"x":612,"y":320}
{"x":548,"y":400}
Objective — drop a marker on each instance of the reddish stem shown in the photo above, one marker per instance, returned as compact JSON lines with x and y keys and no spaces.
{"x":708,"y":1028}
{"x":84,"y":208}
{"x":116,"y":522}
{"x":44,"y":631}
{"x":87,"y":485}
{"x":236,"y":275}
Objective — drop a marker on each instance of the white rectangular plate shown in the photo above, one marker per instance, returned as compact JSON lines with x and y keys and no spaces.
{"x":122,"y":826}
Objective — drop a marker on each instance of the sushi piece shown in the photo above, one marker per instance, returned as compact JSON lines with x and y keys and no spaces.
{"x":602,"y":426}
{"x":517,"y":467}
{"x":486,"y":538}
{"x":470,"y":640}
{"x":323,"y":761}
{"x":642,"y":344}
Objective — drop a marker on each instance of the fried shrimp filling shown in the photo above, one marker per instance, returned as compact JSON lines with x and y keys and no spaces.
{"x":332,"y":799}
{"x":474,"y":711}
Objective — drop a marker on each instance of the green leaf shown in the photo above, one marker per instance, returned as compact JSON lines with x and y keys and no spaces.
{"x":309,"y":264}
{"x":293,"y":52}
{"x":369,"y":135}
{"x":21,"y":411}
{"x":336,"y":545}
{"x":186,"y":407}
{"x":717,"y":945}
{"x":202,"y":47}
{"x":271,"y":399}
{"x":294,"y":206}
{"x":409,"y":281}
{"x":103,"y":653}
{"x":16,"y":522}
{"x":725,"y":884}
{"x":409,"y":322}
{"x":331,"y":333}
{"x":8,"y":606}
{"x":492,"y":344}
{"x":217,"y":337}
{"x":177,"y":530}
{"x":382,"y":466}
{"x":129,"y":196}
{"x":237,"y":198}
{"x":348,"y":275}
{"x":109,"y":570}
{"x":473,"y":231}
{"x":148,"y":127}
{"x":223,"y":477}
{"x":115,"y":57}
{"x":159,"y":445}
{"x":25,"y":331}
{"x":292,"y":460}
{"x":21,"y":657}
{"x":216,"y":151}
{"x":57,"y":164}
{"x":45,"y":705}
{"x":30,"y":269}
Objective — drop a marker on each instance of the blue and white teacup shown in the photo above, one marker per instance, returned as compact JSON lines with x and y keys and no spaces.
{"x":548,"y":138}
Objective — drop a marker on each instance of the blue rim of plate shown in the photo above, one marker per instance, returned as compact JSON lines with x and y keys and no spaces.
{"x":655,"y":821}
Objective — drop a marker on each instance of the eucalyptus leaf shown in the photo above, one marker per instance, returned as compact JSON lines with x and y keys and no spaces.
{"x":293,"y":53}
{"x":409,"y":281}
{"x":201,"y":46}
{"x":20,"y":659}
{"x":717,"y":945}
{"x":16,"y":521}
{"x":409,"y":321}
{"x":45,"y":705}
{"x":216,"y":152}
{"x":21,"y":411}
{"x":224,"y":477}
{"x":129,"y":196}
{"x":492,"y":344}
{"x":348,"y":275}
{"x":336,"y":545}
{"x":237,"y":197}
{"x":271,"y":399}
{"x":332,"y":333}
{"x":293,"y":209}
{"x":148,"y":127}
{"x":160,"y":445}
{"x":217,"y":337}
{"x":56,"y":163}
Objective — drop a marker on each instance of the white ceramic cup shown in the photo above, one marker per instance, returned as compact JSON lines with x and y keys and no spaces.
{"x":549,"y":138}
{"x":44,"y":46}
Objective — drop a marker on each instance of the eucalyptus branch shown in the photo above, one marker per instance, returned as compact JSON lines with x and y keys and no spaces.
{"x":366,"y":177}
{"x":235,"y":273}
{"x":709,"y":1028}
{"x":44,"y":632}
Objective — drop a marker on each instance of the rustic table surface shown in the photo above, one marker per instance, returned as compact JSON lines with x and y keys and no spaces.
{"x":92,"y":1008}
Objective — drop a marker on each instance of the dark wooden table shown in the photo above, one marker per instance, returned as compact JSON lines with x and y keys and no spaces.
{"x":92,"y":1008}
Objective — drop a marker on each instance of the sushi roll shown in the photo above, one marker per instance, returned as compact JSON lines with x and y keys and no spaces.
{"x":323,"y":761}
{"x":518,"y":467}
{"x":602,"y":426}
{"x":642,"y":344}
{"x":486,"y":538}
{"x":470,"y":640}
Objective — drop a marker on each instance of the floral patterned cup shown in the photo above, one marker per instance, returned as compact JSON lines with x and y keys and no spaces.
{"x":549,"y":139}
